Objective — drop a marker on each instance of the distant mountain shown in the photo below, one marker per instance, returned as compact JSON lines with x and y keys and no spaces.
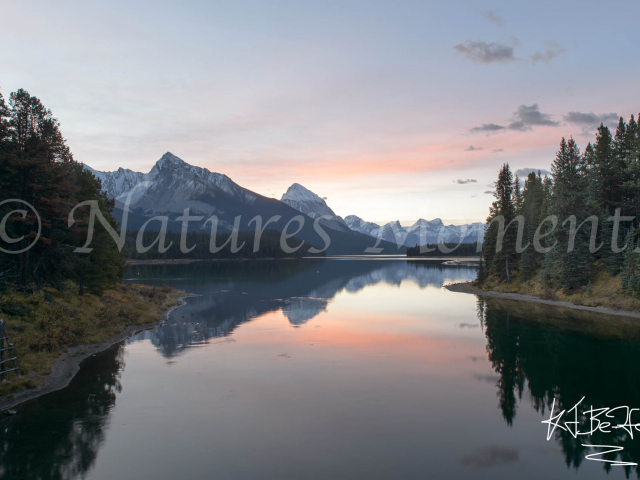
{"x":173,"y":185}
{"x":421,"y":232}
{"x":359,"y":225}
{"x":307,"y":202}
{"x":121,"y":181}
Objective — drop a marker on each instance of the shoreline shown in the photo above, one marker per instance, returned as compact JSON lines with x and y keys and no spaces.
{"x":67,"y":365}
{"x":161,"y":262}
{"x":185,"y":261}
{"x":466,"y":287}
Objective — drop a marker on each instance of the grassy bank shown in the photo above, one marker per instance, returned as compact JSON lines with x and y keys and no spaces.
{"x":605,"y":290}
{"x":43,"y":325}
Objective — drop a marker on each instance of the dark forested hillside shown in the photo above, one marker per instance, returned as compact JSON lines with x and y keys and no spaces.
{"x":198,"y":246}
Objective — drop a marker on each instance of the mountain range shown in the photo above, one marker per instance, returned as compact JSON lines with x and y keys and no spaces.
{"x":173,"y":185}
{"x":421,"y":232}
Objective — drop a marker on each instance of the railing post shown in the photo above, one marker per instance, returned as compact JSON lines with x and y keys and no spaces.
{"x":3,"y":336}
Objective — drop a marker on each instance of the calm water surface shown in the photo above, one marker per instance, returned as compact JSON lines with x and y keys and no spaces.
{"x":331,"y":369}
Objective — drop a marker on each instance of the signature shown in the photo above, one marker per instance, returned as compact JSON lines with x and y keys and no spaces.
{"x":598,"y":420}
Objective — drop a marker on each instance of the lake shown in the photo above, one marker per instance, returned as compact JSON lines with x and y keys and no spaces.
{"x":334,"y":369}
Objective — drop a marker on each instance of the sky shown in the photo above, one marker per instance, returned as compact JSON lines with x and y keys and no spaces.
{"x":393,"y":110}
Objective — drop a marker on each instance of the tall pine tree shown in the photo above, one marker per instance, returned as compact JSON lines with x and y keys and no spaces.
{"x":501,"y":253}
{"x":568,"y":264}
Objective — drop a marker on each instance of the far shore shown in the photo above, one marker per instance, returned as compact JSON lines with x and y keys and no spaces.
{"x":68,"y":364}
{"x":467,"y":287}
{"x":162,"y":261}
{"x":185,"y":261}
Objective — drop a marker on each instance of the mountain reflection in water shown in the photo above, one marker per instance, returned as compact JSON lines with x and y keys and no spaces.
{"x":231,"y":293}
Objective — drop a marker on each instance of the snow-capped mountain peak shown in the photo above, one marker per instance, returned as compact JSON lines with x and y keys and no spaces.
{"x":307,"y":202}
{"x":170,"y":186}
{"x":170,"y":159}
{"x":357,"y":224}
{"x":119,"y":183}
{"x":298,"y":193}
{"x":421,"y":232}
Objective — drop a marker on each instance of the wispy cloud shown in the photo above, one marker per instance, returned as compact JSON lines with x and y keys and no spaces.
{"x":498,"y":52}
{"x":524,"y":118}
{"x":552,"y":50}
{"x":468,"y":180}
{"x":590,"y":119}
{"x":523,"y":172}
{"x":472,"y":149}
{"x":483,"y":52}
{"x":489,"y":192}
{"x":492,"y":17}
{"x":488,"y":127}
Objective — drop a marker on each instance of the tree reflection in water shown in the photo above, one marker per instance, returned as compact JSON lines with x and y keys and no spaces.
{"x":65,"y":428}
{"x":556,"y":354}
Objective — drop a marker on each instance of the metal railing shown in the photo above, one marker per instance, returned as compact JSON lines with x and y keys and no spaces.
{"x":6,"y":346}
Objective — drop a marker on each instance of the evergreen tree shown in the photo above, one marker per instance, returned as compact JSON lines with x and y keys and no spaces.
{"x":632,"y":165}
{"x":4,"y":121}
{"x":566,"y":265}
{"x":590,"y":167}
{"x":630,"y":275}
{"x":604,"y":163}
{"x":623,"y":147}
{"x":620,"y":196}
{"x":35,"y":161}
{"x":490,"y":240}
{"x":532,"y":207}
{"x":7,"y":265}
{"x":103,"y":267}
{"x":503,"y":249}
{"x":518,"y":198}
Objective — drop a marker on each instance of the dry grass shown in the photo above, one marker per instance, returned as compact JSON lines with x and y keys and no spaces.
{"x":604,"y":291}
{"x":45,"y":324}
